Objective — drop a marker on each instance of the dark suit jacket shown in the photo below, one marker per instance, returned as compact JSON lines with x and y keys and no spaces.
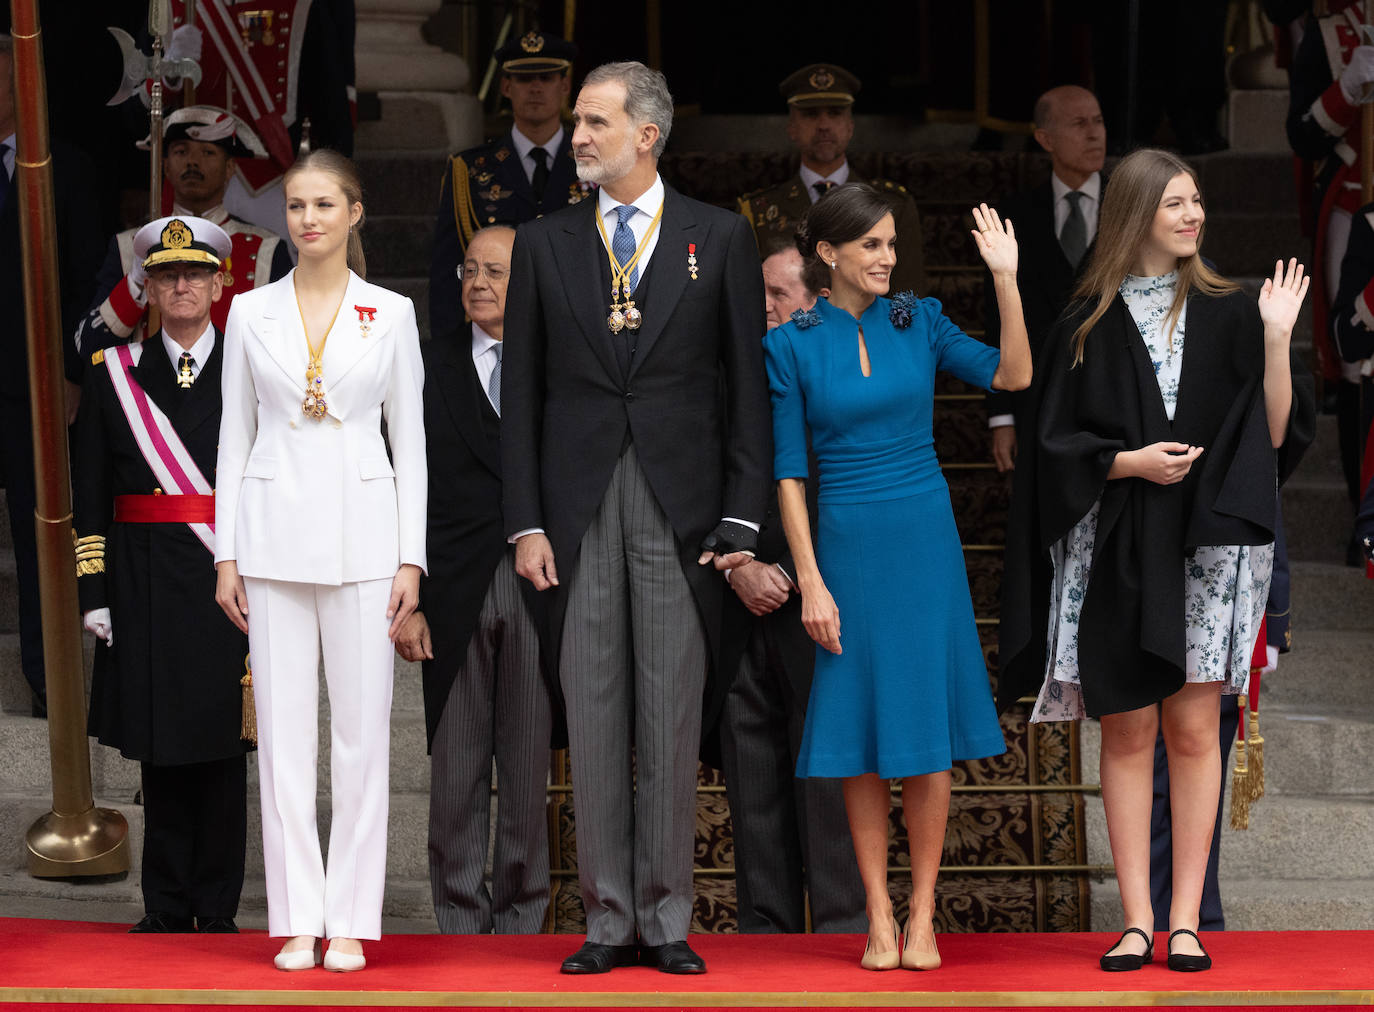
{"x":1043,"y":276}
{"x":571,"y":407}
{"x":168,"y":691}
{"x":465,"y":538}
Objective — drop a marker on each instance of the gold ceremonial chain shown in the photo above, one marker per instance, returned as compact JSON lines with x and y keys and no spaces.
{"x":313,"y":403}
{"x":624,"y":314}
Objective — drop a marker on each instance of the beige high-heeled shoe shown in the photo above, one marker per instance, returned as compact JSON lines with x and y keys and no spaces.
{"x":882,"y":960}
{"x":300,"y":959}
{"x":920,"y":959}
{"x":343,"y":962}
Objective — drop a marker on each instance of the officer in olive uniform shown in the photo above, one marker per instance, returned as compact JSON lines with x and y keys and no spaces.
{"x":166,"y":688}
{"x":517,"y":177}
{"x":820,"y":123}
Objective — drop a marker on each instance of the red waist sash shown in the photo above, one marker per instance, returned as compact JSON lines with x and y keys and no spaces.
{"x":164,"y":509}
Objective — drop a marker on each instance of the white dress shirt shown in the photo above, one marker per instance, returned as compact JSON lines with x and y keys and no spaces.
{"x":1089,"y":202}
{"x":200,"y":351}
{"x":523,"y":147}
{"x":11,"y":152}
{"x":647,"y":204}
{"x":837,"y":178}
{"x":485,"y":352}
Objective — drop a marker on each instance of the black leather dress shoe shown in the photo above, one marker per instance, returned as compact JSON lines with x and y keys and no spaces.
{"x":675,"y":957}
{"x":594,"y":957}
{"x":216,"y":926}
{"x":162,"y":924}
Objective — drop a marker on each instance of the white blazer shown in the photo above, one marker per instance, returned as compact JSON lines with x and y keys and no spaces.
{"x":318,"y":501}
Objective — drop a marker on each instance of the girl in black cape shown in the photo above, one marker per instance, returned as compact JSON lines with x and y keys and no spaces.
{"x":1140,"y":542}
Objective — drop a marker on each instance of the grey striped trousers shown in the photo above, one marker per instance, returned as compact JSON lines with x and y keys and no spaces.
{"x":633,"y":667}
{"x":497,"y":709}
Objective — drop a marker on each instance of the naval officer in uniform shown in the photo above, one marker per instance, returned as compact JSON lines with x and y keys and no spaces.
{"x":526,"y":172}
{"x":166,"y":686}
{"x":820,"y":124}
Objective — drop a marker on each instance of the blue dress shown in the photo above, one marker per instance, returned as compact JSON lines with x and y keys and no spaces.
{"x":910,"y":693}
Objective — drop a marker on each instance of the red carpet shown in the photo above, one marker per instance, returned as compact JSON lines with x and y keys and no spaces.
{"x":57,"y":964}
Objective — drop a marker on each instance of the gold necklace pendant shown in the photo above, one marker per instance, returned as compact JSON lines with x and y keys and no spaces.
{"x":633,"y":317}
{"x":616,"y":321}
{"x":313,"y":403}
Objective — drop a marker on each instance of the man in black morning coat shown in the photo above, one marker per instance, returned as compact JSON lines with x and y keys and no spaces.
{"x":166,"y":690}
{"x":630,"y":456}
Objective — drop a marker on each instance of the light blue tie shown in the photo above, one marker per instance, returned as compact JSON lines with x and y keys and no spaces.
{"x":494,"y":384}
{"x":623,"y":242}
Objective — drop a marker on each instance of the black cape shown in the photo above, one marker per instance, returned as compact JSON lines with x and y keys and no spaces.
{"x":1132,"y":635}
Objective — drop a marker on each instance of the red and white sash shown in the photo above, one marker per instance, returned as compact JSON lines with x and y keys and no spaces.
{"x":159,"y":443}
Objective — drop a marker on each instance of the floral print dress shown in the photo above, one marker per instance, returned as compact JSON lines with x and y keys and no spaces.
{"x":1225,"y":586}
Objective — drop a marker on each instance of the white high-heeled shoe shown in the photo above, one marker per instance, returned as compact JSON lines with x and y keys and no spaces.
{"x":301,"y":959}
{"x":342,"y":962}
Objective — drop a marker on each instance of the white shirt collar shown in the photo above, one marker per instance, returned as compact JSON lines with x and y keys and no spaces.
{"x":482,"y":342}
{"x":200,"y":351}
{"x":11,"y":153}
{"x":216,"y":215}
{"x":523,"y":145}
{"x":648,"y":202}
{"x":810,"y":177}
{"x":1091,"y":188}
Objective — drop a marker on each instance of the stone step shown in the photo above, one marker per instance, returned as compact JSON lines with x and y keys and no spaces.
{"x":407,"y":830}
{"x":1289,"y":838}
{"x":25,"y":765}
{"x":1314,"y":754}
{"x":1328,"y":596}
{"x":414,"y":288}
{"x":395,"y":183}
{"x":1327,"y":671}
{"x":1318,"y":516}
{"x":1255,"y":904}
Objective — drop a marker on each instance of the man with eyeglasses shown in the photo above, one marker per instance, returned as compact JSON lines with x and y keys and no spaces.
{"x":200,"y":145}
{"x":487,"y":694}
{"x":166,"y":687}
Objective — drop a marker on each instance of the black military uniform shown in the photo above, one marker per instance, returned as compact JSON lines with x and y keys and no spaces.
{"x":167,"y":692}
{"x":775,"y":211}
{"x":489,"y":184}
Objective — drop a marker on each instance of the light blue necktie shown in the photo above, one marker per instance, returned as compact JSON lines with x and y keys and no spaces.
{"x":494,"y":383}
{"x":623,"y":242}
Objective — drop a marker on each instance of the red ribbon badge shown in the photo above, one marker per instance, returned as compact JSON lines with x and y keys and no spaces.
{"x":691,"y":248}
{"x":366,"y":314}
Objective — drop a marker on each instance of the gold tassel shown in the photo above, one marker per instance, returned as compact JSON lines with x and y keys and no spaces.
{"x":1240,"y":780}
{"x":1256,"y":744}
{"x":248,"y":730}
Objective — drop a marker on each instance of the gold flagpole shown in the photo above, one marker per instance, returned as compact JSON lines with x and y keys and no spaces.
{"x":75,"y":838}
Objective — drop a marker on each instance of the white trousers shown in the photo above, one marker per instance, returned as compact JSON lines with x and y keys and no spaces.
{"x":287,"y":622}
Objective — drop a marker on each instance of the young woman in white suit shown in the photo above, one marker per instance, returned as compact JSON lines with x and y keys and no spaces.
{"x":321,"y":540}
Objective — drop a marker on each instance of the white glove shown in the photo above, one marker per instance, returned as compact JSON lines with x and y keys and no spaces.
{"x":97,"y":620}
{"x":1358,"y":75}
{"x":137,"y":280}
{"x":1271,"y":659}
{"x":186,"y":44}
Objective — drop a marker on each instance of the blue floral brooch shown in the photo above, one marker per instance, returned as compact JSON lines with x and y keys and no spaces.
{"x":805,"y":319}
{"x":900,"y":313}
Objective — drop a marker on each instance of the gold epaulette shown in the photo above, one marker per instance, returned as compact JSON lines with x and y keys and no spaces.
{"x":464,"y":217}
{"x":746,"y":208}
{"x":90,"y":554}
{"x":98,"y":357}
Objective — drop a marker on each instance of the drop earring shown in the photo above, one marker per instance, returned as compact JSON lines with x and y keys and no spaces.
{"x":832,"y":265}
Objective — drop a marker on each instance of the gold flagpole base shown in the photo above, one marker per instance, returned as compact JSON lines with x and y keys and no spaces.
{"x":94,"y":842}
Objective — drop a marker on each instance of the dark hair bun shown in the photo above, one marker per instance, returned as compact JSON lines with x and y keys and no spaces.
{"x":802,"y":237}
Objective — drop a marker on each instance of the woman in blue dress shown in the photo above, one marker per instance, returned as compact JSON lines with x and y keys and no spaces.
{"x":904,"y":691}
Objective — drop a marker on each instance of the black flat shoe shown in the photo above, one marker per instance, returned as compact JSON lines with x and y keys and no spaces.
{"x":675,"y":957}
{"x":162,"y":924}
{"x":1182,"y":961}
{"x":594,"y":957}
{"x":216,"y":926}
{"x":1129,"y":960}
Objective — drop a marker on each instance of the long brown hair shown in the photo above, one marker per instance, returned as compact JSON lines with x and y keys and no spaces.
{"x":345,"y":173}
{"x":1123,"y":226}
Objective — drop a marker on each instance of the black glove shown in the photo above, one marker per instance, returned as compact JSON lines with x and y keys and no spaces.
{"x":731,"y":537}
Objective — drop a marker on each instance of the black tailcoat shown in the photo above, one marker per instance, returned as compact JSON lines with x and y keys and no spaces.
{"x":168,"y":691}
{"x":465,"y":536}
{"x":693,"y":398}
{"x":1044,"y":278}
{"x":1131,"y":643}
